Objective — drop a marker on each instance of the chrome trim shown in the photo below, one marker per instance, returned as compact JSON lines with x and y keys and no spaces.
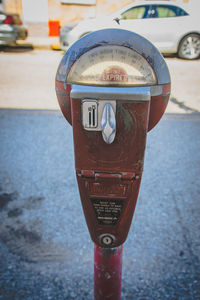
{"x":100,"y":107}
{"x":111,"y":93}
{"x":156,"y":90}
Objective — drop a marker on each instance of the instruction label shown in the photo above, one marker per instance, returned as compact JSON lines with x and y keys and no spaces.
{"x":107,"y":211}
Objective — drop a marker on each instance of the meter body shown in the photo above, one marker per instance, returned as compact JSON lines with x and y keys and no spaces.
{"x":113,"y":87}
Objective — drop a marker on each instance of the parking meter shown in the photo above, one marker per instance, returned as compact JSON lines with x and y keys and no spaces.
{"x":113,"y":86}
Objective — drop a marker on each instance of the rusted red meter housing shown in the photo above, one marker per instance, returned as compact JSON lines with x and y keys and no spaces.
{"x":113,"y":86}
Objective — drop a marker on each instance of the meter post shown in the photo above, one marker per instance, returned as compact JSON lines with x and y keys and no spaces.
{"x":107,"y":273}
{"x":113,"y":87}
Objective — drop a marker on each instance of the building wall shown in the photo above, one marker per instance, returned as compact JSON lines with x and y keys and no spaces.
{"x":35,"y":11}
{"x":71,"y":12}
{"x":13,"y":6}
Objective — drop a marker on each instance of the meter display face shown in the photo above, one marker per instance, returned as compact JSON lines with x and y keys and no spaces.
{"x":112,"y":66}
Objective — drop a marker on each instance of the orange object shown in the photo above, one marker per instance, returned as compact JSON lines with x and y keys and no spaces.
{"x":54,"y":27}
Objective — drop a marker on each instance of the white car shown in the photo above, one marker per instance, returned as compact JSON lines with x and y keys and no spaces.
{"x":171,"y":26}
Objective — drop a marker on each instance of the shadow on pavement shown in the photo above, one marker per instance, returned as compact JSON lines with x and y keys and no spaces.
{"x":183,"y":106}
{"x":175,"y":56}
{"x":17,"y":48}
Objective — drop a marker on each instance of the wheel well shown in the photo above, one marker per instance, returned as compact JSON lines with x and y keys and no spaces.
{"x":84,"y":34}
{"x":192,"y":32}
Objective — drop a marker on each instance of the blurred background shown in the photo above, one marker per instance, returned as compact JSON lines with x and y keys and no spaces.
{"x":45,"y":248}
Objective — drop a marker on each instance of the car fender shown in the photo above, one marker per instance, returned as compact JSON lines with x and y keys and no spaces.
{"x":87,"y":26}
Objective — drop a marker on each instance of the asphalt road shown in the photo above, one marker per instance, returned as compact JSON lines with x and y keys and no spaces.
{"x":45,"y":249}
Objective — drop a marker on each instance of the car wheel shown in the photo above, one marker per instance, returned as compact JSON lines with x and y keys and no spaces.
{"x":189,"y":47}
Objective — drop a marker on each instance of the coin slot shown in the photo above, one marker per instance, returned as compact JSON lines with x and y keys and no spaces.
{"x":89,"y":114}
{"x":90,"y":117}
{"x":93,"y":115}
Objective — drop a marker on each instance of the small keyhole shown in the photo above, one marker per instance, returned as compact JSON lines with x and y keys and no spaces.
{"x":107,"y":240}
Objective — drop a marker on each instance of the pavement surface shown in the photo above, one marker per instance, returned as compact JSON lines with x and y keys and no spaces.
{"x":45,"y":248}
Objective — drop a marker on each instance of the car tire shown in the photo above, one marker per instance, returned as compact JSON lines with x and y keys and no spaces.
{"x":189,"y":47}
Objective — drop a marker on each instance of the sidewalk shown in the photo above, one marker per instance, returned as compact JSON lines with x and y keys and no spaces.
{"x":38,"y":37}
{"x":41,"y":43}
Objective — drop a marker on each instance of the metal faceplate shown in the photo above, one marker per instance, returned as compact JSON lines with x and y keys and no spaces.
{"x":100,"y":116}
{"x":93,"y":112}
{"x":90,"y":114}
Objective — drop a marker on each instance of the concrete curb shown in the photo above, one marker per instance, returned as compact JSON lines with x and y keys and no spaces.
{"x":41,"y":43}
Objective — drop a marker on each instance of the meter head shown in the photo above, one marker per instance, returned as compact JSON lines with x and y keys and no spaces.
{"x":111,"y":63}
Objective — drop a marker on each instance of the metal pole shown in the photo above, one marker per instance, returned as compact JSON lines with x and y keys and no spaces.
{"x":107,"y":273}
